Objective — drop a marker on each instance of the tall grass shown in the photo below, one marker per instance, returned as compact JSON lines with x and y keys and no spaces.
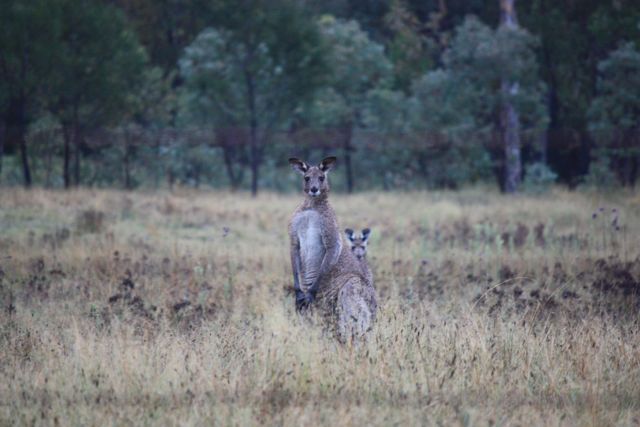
{"x":176,"y":309}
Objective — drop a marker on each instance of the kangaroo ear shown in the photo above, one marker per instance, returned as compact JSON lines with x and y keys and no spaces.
{"x":349,"y":233}
{"x":298,"y":165}
{"x":365,"y":233}
{"x":327,"y":163}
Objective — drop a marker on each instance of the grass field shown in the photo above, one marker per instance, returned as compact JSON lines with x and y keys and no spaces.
{"x":176,"y":309}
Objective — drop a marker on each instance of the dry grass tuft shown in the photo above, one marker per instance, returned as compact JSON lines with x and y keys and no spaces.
{"x":134,"y":308}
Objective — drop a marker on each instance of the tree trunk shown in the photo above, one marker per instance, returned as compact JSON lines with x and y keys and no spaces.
{"x":232,"y":175}
{"x":25,"y":159}
{"x":48,"y":160}
{"x":512,"y":146}
{"x":348,"y":134}
{"x":196,"y":176}
{"x":171,"y":179}
{"x":76,"y":155}
{"x":3,"y":135}
{"x":66,"y":136}
{"x":253,"y":134}
{"x":510,"y":121}
{"x":16,"y":134}
{"x":157,"y":168}
{"x":126,"y":162}
{"x":543,"y":146}
{"x":255,"y":165}
{"x":229,"y":141}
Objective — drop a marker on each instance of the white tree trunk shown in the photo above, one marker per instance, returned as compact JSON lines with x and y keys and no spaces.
{"x":510,"y":121}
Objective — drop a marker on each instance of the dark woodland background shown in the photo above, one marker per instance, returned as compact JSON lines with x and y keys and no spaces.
{"x":409,"y":94}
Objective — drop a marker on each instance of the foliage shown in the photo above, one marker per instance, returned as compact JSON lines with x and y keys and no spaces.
{"x":407,"y":48}
{"x":457,"y":108}
{"x":600,"y":175}
{"x":400,"y":85}
{"x":441,"y":107}
{"x":538,"y":178}
{"x":253,"y":73}
{"x":615,"y":111}
{"x":617,"y":105}
{"x":480,"y":58}
{"x":218,"y":63}
{"x":29,"y":37}
{"x":95,"y":71}
{"x":358,"y":65}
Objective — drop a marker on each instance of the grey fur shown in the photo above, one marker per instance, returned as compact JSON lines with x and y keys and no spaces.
{"x":316,"y":243}
{"x":323,"y":267}
{"x":357,"y":303}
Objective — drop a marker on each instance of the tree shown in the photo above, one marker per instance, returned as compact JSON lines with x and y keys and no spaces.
{"x":480,"y":60}
{"x":509,"y":118}
{"x":615,"y":111}
{"x":28,"y":35}
{"x":358,"y":66}
{"x":255,"y":70}
{"x":202,"y":109}
{"x":445,"y":123}
{"x":97,"y":74}
{"x":166,"y":27}
{"x":408,"y":49}
{"x":574,"y":38}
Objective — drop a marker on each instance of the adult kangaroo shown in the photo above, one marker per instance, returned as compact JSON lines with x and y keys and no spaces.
{"x":322,"y":265}
{"x":315,"y":239}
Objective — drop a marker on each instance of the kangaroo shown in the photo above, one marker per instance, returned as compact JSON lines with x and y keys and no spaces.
{"x":313,"y":232}
{"x":357,"y":301}
{"x":318,"y":259}
{"x":322,"y":266}
{"x":358,"y":245}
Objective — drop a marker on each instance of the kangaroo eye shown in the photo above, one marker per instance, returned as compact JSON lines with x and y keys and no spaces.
{"x":321,"y":178}
{"x":306,"y":178}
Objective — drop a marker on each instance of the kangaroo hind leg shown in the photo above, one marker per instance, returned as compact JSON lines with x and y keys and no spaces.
{"x":355,"y":315}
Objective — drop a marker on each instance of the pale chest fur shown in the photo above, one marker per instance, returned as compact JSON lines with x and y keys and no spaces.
{"x":310,"y":230}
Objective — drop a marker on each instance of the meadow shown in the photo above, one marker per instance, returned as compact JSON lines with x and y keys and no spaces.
{"x":135,"y":308}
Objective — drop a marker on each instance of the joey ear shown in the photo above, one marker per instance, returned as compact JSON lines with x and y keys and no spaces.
{"x":298,"y":165}
{"x":365,"y":233}
{"x":349,"y":233}
{"x":326,"y":164}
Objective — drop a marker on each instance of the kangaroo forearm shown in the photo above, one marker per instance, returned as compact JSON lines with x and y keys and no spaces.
{"x":296,"y":281}
{"x":327,"y":262}
{"x":295,"y":266}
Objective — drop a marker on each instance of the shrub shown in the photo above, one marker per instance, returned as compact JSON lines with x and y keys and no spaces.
{"x":538,"y":178}
{"x":600,"y":175}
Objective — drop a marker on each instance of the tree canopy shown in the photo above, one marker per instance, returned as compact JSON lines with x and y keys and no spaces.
{"x":435,"y":93}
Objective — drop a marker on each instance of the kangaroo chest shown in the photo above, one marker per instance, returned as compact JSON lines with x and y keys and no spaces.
{"x":308,"y":227}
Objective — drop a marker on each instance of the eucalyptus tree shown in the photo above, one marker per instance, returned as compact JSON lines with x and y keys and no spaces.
{"x":98,"y":69}
{"x":480,"y":60}
{"x":615,"y":111}
{"x":447,"y":133}
{"x":509,"y":117}
{"x":261,"y":63}
{"x":358,"y":66}
{"x":29,"y":32}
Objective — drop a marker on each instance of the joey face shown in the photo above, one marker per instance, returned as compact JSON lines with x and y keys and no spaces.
{"x":314,"y":181}
{"x":358,"y":242}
